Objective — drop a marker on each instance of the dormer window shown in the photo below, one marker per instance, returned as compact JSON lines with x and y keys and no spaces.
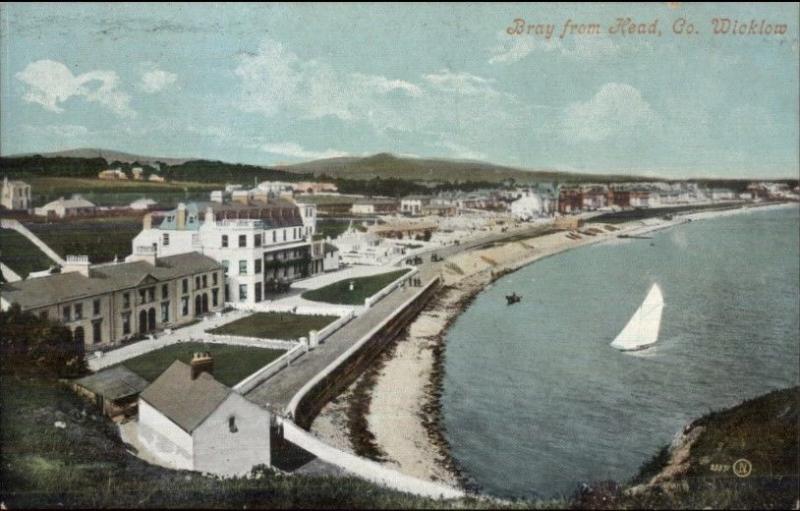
{"x":232,"y":424}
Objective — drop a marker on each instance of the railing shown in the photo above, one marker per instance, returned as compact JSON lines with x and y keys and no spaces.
{"x":270,"y":369}
{"x":372,"y":300}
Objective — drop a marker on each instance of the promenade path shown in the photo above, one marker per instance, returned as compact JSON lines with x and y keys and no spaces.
{"x":276,"y":392}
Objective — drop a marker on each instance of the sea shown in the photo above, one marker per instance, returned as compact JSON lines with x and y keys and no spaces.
{"x":536,"y":402}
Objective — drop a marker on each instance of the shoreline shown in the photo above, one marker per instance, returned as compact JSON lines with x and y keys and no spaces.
{"x":398,"y":401}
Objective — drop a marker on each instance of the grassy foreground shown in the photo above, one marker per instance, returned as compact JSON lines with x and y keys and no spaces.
{"x":232,"y":364}
{"x":20,"y":254}
{"x":363,"y":287}
{"x":275,"y":325}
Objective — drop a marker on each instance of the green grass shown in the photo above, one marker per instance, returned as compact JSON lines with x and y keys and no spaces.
{"x":101,"y":239}
{"x":232,"y":364}
{"x":363,"y":287}
{"x":330,"y":228}
{"x":86,"y":465}
{"x":275,"y":325}
{"x":116,"y":193}
{"x":19,"y":254}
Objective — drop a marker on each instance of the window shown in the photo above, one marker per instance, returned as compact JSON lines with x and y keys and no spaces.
{"x":214,"y":279}
{"x":242,"y":267}
{"x":43,"y":315}
{"x":215,"y":297}
{"x":165,"y":239}
{"x":257,"y":240}
{"x":242,"y":292}
{"x":225,"y":266}
{"x":232,"y":424}
{"x":205,"y":281}
{"x":258,"y":291}
{"x":142,"y":296}
{"x":197,"y":282}
{"x":164,"y":312}
{"x":78,"y":311}
{"x":126,"y":323}
{"x":242,"y":240}
{"x":126,"y":300}
{"x":185,"y":306}
{"x":224,"y":241}
{"x":164,"y":291}
{"x":258,"y":266}
{"x":151,"y":294}
{"x":96,"y":307}
{"x":284,"y":235}
{"x":274,"y":236}
{"x":185,"y":285}
{"x":97,"y":332}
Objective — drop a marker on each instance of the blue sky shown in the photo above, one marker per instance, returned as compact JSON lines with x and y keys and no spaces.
{"x":270,"y":84}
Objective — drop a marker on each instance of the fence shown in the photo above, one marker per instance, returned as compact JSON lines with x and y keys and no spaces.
{"x":270,"y":369}
{"x":372,"y":300}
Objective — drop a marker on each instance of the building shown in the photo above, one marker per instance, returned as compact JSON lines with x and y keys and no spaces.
{"x":142,"y":204}
{"x":405,"y":230}
{"x":115,"y":390}
{"x":528,"y":206}
{"x":16,"y":195}
{"x":722,"y":194}
{"x":413,"y":204}
{"x":594,"y":197}
{"x":106,"y":304}
{"x":61,"y":208}
{"x":138,"y":173}
{"x":190,"y":421}
{"x":570,"y":199}
{"x":314,"y":187}
{"x":112,"y":174}
{"x":439,"y":210}
{"x":356,"y":247}
{"x":156,"y":178}
{"x":374,"y":206}
{"x":262,"y":246}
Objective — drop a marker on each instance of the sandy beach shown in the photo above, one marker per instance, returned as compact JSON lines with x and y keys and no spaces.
{"x":402,"y":394}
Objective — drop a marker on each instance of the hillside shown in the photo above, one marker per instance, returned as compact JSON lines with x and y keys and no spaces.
{"x":108,"y":155}
{"x":385,"y":165}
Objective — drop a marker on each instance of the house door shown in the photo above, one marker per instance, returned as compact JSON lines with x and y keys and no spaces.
{"x":78,"y":335}
{"x":151,"y":317}
{"x":142,"y":321}
{"x":198,"y":305}
{"x":205,"y":303}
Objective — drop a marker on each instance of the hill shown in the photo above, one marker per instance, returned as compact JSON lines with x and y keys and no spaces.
{"x":108,"y":155}
{"x":386,"y":165}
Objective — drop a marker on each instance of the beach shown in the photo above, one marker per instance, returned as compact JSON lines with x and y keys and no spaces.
{"x":400,"y":396}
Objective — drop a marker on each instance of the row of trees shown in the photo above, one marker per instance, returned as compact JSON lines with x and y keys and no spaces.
{"x":30,"y":343}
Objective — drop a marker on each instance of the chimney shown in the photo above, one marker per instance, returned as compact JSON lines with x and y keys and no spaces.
{"x":202,"y":362}
{"x":209,"y":217}
{"x":180,"y":218}
{"x":76,"y":263}
{"x":147,"y":221}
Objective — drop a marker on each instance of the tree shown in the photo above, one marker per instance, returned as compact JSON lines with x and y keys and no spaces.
{"x":30,"y":342}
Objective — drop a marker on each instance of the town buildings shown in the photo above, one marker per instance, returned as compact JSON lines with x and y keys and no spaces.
{"x":413,"y":204}
{"x":112,"y":174}
{"x":374,"y":206}
{"x":190,"y":421}
{"x":61,"y":208}
{"x":16,"y":195}
{"x":105,"y":304}
{"x":262,"y":246}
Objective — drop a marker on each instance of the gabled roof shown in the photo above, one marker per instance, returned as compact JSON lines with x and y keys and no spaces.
{"x":185,"y":401}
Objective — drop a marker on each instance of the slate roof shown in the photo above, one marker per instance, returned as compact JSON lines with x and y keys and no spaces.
{"x":184,"y":401}
{"x":65,"y":287}
{"x":75,"y":202}
{"x":114,"y":383}
{"x":195,"y":214}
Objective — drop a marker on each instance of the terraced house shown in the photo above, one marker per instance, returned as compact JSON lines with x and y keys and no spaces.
{"x":262,"y":246}
{"x":106,"y":304}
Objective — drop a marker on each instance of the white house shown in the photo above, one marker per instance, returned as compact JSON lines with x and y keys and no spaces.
{"x":260,"y":245}
{"x":529,"y":205}
{"x":188,"y":420}
{"x":61,"y":208}
{"x":142,"y":204}
{"x":413,"y":204}
{"x":16,"y":194}
{"x":356,"y":247}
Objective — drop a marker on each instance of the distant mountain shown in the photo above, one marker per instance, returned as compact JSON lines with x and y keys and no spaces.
{"x":385,"y":165}
{"x":108,"y":155}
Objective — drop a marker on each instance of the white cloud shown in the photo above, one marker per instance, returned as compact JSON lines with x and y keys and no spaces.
{"x":514,"y":49}
{"x":617,"y":109}
{"x":59,"y":131}
{"x":155,"y":80}
{"x":461,"y":83}
{"x":294,"y":150}
{"x":209,"y":131}
{"x":49,"y":83}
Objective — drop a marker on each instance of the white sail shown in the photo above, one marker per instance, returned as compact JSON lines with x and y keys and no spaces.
{"x":642,"y":329}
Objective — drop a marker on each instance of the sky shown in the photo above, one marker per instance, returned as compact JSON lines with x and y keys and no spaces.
{"x":284,"y":83}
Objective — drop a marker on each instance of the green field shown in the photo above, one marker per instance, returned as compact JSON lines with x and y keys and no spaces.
{"x":101,"y":239}
{"x":330,"y":228}
{"x":116,"y":193}
{"x":19,"y":254}
{"x":232,"y":364}
{"x":275,"y":325}
{"x":363,"y":287}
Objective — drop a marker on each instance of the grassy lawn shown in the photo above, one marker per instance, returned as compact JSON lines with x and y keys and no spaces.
{"x":363,"y":287}
{"x":108,"y":193}
{"x":232,"y":364}
{"x":275,"y":325}
{"x":19,"y":254}
{"x":101,"y":239}
{"x":330,"y":228}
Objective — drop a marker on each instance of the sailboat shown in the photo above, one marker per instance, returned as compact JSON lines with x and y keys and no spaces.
{"x":642,"y":329}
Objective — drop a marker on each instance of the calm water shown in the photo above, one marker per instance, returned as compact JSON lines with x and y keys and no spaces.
{"x":535,"y":401}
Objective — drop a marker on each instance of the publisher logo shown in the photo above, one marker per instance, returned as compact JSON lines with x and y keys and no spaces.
{"x":742,"y":468}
